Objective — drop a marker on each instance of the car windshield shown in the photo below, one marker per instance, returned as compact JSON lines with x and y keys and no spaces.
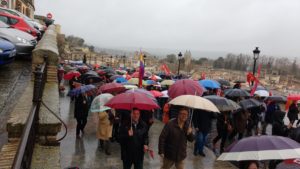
{"x":3,"y":25}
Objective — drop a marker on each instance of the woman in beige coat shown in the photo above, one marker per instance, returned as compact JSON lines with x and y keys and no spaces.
{"x":104,"y":132}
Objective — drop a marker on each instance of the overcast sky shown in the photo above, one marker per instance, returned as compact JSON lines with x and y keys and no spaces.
{"x":205,"y":25}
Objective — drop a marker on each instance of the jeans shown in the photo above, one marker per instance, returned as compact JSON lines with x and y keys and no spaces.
{"x":128,"y":163}
{"x":200,"y":142}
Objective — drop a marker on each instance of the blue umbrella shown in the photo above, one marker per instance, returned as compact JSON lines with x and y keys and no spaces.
{"x":81,"y":90}
{"x":211,"y":84}
{"x":120,"y":80}
{"x":151,"y":82}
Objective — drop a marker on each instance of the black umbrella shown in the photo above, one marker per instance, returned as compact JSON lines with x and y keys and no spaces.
{"x":224,"y":82}
{"x":95,"y":79}
{"x":239,"y":81}
{"x":249,"y":103}
{"x":236,"y":93}
{"x":278,"y":99}
{"x":222,"y":103}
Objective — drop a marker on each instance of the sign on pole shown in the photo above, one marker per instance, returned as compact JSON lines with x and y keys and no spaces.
{"x":49,"y":16}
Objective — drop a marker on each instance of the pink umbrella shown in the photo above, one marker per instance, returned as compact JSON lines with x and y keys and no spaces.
{"x":111,"y":88}
{"x":156,"y":93}
{"x":185,"y":87}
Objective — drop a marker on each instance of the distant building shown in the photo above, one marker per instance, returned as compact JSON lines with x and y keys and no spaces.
{"x":187,"y":59}
{"x":24,"y":6}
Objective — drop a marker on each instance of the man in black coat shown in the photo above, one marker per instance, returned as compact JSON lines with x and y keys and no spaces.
{"x":81,"y":113}
{"x":134,"y":141}
{"x":202,"y":121}
{"x":293,"y":112}
{"x":173,"y":140}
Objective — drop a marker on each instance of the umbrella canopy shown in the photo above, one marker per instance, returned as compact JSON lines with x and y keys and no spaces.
{"x":120,"y":80}
{"x":262,"y":93}
{"x":135,"y":75}
{"x":236,"y":93}
{"x":185,"y":87}
{"x":111,"y":88}
{"x":135,"y":81}
{"x":130,"y":87}
{"x":224,"y":82}
{"x":150,"y":82}
{"x":70,"y":75}
{"x":99,"y":102}
{"x":195,"y":102}
{"x":114,"y":77}
{"x":156,"y":93}
{"x":210,"y":84}
{"x":167,"y":82}
{"x":262,"y":148}
{"x":249,"y":103}
{"x":95,"y":79}
{"x":81,"y":90}
{"x":143,"y":91}
{"x":222,"y":103}
{"x":278,"y":99}
{"x":131,"y":100}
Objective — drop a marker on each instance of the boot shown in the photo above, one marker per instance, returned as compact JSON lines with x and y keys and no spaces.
{"x":107,"y":147}
{"x":100,"y":145}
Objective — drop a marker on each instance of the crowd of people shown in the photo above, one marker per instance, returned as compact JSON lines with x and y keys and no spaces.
{"x":130,"y":127}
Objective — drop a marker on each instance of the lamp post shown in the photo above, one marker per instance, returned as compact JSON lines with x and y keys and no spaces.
{"x":145,"y":60}
{"x":124,"y":57}
{"x":179,"y":59}
{"x":256,"y":52}
{"x":111,"y":61}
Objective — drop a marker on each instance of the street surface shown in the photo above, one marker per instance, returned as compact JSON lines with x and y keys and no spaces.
{"x":13,"y":79}
{"x":83,"y":153}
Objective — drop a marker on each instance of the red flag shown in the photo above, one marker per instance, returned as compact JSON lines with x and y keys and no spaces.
{"x":256,"y":81}
{"x":250,"y":78}
{"x":165,"y":68}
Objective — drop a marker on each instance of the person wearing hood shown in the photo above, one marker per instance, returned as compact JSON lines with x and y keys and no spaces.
{"x":293,"y":112}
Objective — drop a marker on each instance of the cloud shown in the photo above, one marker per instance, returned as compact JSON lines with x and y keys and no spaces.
{"x":208,"y":25}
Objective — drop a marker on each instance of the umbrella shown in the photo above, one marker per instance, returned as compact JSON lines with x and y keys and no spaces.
{"x":279,"y":99}
{"x":135,"y":75}
{"x":167,"y":82}
{"x":96,"y":66}
{"x":143,"y":91}
{"x":185,"y":87}
{"x":262,"y":93}
{"x":114,"y":77}
{"x":81,"y":90}
{"x":131,"y":100}
{"x":150,"y":82}
{"x":70,"y":75}
{"x":111,"y":88}
{"x":121,"y":72}
{"x":236,"y":93}
{"x":289,"y":164}
{"x":135,"y":81}
{"x":262,"y":148}
{"x":249,"y":103}
{"x":194,"y":102}
{"x":99,"y":101}
{"x":130,"y":87}
{"x":224,"y":82}
{"x":101,"y":72}
{"x":239,"y":81}
{"x":222,"y":103}
{"x":156,"y":93}
{"x":96,"y":79}
{"x":165,"y":94}
{"x":294,"y":97}
{"x":120,"y":80}
{"x":211,"y":84}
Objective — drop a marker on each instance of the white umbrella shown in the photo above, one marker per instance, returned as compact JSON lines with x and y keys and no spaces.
{"x":262,"y":93}
{"x":165,"y":94}
{"x":99,"y":102}
{"x":130,"y":86}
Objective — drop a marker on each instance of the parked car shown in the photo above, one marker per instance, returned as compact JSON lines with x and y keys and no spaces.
{"x":18,"y":23}
{"x":35,"y":23}
{"x":7,"y":52}
{"x":24,"y":42}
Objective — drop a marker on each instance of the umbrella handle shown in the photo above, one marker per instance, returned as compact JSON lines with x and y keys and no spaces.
{"x":190,"y":123}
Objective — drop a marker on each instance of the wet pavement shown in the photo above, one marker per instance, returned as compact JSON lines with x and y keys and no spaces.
{"x":83,"y":153}
{"x":14,"y":78}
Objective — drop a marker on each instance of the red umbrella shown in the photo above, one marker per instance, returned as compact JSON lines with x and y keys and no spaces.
{"x":129,"y":101}
{"x":111,"y":88}
{"x":185,"y":87}
{"x":156,"y":93}
{"x":71,"y":74}
{"x":135,"y":75}
{"x":101,"y":72}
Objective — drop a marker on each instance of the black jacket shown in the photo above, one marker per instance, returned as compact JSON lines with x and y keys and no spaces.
{"x":132,"y":147}
{"x":279,"y":129}
{"x":293,"y":112}
{"x":173,"y":141}
{"x":203,"y":120}
{"x":81,"y":107}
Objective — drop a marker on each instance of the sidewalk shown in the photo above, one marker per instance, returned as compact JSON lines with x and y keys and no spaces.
{"x":83,"y":153}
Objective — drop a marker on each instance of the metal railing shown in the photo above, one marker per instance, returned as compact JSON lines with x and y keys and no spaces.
{"x":23,"y":157}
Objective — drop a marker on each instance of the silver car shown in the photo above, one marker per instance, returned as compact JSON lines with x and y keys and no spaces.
{"x":23,"y":41}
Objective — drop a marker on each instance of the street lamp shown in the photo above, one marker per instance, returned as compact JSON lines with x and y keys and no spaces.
{"x":124,"y":57}
{"x":145,"y":60}
{"x":256,"y":52}
{"x":179,"y":58}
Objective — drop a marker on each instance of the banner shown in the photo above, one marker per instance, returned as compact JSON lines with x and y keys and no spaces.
{"x":142,"y":70}
{"x":166,"y":69}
